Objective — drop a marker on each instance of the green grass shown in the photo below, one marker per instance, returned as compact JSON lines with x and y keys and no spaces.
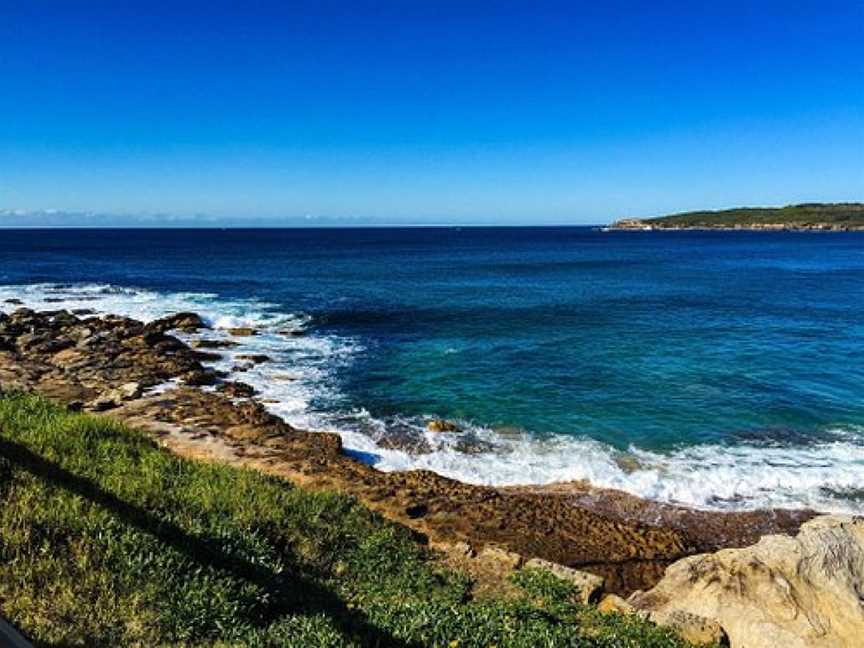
{"x":107,"y":540}
{"x":849,"y":214}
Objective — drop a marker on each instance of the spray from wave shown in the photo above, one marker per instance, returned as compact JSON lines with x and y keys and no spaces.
{"x":300,"y":382}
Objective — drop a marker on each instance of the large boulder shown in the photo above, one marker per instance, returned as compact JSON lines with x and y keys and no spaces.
{"x":801,"y":592}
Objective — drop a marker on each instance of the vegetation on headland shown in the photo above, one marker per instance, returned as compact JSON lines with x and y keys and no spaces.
{"x":803,"y":216}
{"x":106,"y":539}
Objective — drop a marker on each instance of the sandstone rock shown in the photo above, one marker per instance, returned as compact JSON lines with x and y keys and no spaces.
{"x":588,"y":586}
{"x":614,"y":603}
{"x":242,"y":331}
{"x":116,"y":397}
{"x":508,"y":560}
{"x":70,"y":358}
{"x":458,"y":549}
{"x":440,"y":425}
{"x":694,"y":628}
{"x":801,"y":592}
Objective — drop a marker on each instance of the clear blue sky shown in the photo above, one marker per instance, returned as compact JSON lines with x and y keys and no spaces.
{"x":376,"y":112}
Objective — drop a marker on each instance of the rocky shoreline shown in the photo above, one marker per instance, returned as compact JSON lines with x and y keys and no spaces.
{"x":635,"y":224}
{"x":605,"y":540}
{"x":116,"y":365}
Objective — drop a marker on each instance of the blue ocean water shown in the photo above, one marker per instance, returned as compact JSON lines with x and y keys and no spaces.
{"x":717,"y":369}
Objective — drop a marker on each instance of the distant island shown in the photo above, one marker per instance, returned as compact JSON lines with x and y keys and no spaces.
{"x":834,"y":217}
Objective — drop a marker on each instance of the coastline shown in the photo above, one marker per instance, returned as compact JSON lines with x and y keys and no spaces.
{"x":117,"y":365}
{"x":636,"y":225}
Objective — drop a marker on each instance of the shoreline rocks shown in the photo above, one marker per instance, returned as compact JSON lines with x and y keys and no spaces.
{"x":622,"y":539}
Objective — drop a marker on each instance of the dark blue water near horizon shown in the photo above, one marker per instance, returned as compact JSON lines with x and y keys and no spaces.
{"x":643,"y":342}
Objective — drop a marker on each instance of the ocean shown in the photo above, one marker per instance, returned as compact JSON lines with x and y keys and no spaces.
{"x":722,"y":370}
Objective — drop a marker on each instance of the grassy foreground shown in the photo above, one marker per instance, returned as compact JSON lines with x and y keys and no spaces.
{"x":107,"y":540}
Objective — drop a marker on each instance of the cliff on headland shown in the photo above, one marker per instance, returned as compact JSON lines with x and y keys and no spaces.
{"x":817,"y":217}
{"x":605,"y":544}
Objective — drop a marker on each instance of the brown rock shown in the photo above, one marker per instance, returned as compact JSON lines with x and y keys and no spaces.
{"x":696,"y":629}
{"x":242,"y":331}
{"x":198,"y":378}
{"x":186,"y":322}
{"x":507,"y":560}
{"x":236,"y":389}
{"x":208,"y":356}
{"x":612,"y":603}
{"x":440,"y":425}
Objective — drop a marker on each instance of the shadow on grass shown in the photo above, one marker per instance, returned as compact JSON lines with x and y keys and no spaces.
{"x":286,"y":592}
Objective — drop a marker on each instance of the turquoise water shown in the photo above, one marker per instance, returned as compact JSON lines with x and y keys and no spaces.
{"x":719,"y":369}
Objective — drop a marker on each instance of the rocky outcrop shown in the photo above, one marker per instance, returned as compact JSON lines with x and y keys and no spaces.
{"x":801,"y":592}
{"x":186,"y":322}
{"x":110,"y":363}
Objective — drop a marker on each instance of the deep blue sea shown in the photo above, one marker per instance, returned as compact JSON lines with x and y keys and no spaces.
{"x":716,"y":369}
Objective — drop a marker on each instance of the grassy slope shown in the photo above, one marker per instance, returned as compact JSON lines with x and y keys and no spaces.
{"x":107,"y":540}
{"x":842,"y":213}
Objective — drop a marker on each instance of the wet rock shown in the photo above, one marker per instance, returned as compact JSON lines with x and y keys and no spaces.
{"x":588,"y":586}
{"x":628,"y":463}
{"x":201,"y":377}
{"x":83,"y":311}
{"x":186,"y":322}
{"x":207,"y":356}
{"x":293,"y":332}
{"x":255,"y":358}
{"x":212,"y":344}
{"x":473,"y":446}
{"x":441,"y":425}
{"x":236,"y":389}
{"x":14,"y":302}
{"x":242,"y":331}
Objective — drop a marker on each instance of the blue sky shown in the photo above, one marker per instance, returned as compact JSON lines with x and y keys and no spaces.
{"x":419,"y":112}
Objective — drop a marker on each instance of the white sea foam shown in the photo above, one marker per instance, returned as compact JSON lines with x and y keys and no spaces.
{"x":301,"y":385}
